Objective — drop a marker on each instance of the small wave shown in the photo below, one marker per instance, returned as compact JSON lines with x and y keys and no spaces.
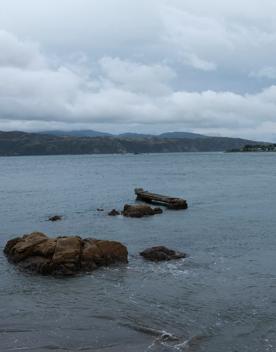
{"x":174,"y":268}
{"x":188,"y":345}
{"x":166,"y":341}
{"x":162,"y":334}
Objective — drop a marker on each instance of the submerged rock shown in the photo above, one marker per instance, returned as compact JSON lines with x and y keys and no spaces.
{"x":114,"y":212}
{"x":55,"y":218}
{"x":161,"y":253}
{"x":38,"y":253}
{"x":140,"y":210}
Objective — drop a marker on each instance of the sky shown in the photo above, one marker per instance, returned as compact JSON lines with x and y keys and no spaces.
{"x":149,"y":66}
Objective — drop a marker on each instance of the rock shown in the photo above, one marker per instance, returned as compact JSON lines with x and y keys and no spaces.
{"x":91,"y":250}
{"x":114,"y":212}
{"x":46,"y":248}
{"x":140,"y":210}
{"x":63,"y":255}
{"x":21,"y":248}
{"x":111,"y":251}
{"x":100,"y":209}
{"x":55,"y":218}
{"x":67,"y":249}
{"x":161,"y":253}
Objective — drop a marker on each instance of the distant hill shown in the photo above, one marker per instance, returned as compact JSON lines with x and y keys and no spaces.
{"x":92,"y":133}
{"x":134,"y":135}
{"x":169,"y":135}
{"x":77,"y":133}
{"x":22,"y":143}
{"x":187,"y":135}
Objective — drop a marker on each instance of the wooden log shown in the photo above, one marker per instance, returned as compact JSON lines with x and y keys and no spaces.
{"x":169,"y":202}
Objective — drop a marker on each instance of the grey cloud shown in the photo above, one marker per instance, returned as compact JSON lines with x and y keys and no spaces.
{"x":268,"y":72}
{"x":146,"y":79}
{"x":18,"y":54}
{"x":122,"y":65}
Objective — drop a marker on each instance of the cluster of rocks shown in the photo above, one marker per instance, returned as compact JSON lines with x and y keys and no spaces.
{"x":136,"y":211}
{"x":140,"y":210}
{"x":36,"y":252}
{"x":65,"y":256}
{"x":132,"y":211}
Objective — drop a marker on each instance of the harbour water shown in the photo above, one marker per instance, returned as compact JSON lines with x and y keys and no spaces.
{"x":222,"y":297}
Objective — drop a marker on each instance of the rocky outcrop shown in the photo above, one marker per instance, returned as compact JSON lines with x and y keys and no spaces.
{"x":140,"y":210}
{"x":38,"y":253}
{"x":161,"y":253}
{"x":55,"y":218}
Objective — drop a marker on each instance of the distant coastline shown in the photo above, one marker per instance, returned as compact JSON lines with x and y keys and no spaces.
{"x":262,"y":148}
{"x":23,"y":143}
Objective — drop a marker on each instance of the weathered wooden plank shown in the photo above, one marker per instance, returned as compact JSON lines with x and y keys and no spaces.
{"x":170,"y":202}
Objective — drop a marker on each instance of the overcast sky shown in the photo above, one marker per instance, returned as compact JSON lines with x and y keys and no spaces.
{"x":206,"y":66}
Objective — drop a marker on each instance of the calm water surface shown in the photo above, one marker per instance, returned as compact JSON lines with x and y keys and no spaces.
{"x":221,"y":298}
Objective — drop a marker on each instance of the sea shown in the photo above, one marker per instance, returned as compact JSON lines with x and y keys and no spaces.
{"x":222,"y":297}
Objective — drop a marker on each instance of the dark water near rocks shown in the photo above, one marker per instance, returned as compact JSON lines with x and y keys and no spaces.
{"x":221,"y":298}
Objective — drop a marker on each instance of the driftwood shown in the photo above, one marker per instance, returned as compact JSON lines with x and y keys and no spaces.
{"x":169,"y":202}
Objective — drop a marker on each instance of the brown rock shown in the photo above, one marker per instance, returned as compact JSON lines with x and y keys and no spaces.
{"x":91,"y":255}
{"x":112,"y":251}
{"x":10,"y":244}
{"x":140,"y":210}
{"x":67,"y":250}
{"x":161,"y":253}
{"x":66,"y":257}
{"x":36,"y":264}
{"x":46,"y":248}
{"x":63,"y":255}
{"x":22,"y":248}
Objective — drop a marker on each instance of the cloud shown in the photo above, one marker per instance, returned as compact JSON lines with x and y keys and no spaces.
{"x":121,"y":93}
{"x":145,"y":65}
{"x":196,"y":62}
{"x":15,"y":53}
{"x":265,"y":72}
{"x":137,"y":77}
{"x":209,"y":36}
{"x":234,"y":38}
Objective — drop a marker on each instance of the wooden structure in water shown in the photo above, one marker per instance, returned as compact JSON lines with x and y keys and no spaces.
{"x":169,"y":202}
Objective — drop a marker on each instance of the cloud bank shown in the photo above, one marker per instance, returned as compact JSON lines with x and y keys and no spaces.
{"x":187,"y":66}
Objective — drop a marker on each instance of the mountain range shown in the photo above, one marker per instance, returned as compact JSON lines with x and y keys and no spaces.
{"x":23,"y":143}
{"x":92,"y":133}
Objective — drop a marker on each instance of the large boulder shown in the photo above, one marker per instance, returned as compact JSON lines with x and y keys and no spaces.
{"x":38,"y":253}
{"x":161,"y":253}
{"x":140,"y":210}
